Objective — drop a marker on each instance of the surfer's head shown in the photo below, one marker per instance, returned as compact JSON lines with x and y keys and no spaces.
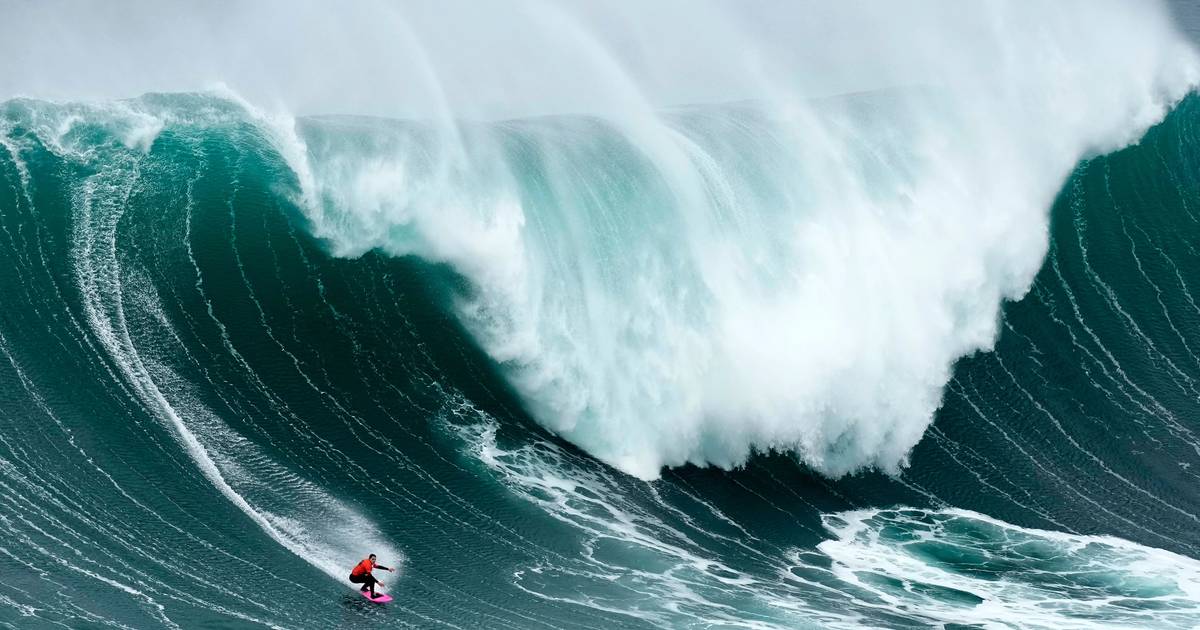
{"x":371,"y":557}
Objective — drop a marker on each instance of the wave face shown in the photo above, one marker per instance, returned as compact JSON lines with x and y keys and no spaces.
{"x":908,"y":357}
{"x":693,"y":286}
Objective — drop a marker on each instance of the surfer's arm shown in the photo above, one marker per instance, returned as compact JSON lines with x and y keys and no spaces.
{"x":380,"y":566}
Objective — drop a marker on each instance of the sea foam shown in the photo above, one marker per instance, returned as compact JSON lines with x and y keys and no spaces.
{"x":793,"y":272}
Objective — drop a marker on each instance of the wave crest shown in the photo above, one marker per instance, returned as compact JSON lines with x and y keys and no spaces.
{"x":692,"y":285}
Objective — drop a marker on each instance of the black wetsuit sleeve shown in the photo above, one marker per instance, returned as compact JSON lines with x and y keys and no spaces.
{"x":380,"y":566}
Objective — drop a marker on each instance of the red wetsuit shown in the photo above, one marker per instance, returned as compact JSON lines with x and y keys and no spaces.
{"x":361,"y":574}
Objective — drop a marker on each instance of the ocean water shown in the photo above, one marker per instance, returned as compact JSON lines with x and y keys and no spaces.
{"x":895,"y":329}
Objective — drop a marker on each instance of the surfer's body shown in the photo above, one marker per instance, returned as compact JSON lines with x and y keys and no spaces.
{"x":361,"y":574}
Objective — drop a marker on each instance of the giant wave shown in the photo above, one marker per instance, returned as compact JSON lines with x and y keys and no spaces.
{"x":252,"y":338}
{"x":689,"y":286}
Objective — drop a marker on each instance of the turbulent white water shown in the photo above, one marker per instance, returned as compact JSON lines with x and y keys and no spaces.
{"x":792,"y":273}
{"x":958,"y":566}
{"x":771,"y":267}
{"x":924,"y":567}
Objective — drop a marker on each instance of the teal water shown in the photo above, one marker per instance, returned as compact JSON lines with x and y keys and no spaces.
{"x":569,"y":354}
{"x":207,"y":418}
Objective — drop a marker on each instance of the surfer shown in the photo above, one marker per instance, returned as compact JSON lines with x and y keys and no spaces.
{"x":361,"y":574}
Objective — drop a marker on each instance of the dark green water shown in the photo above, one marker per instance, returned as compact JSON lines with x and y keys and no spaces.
{"x":206,"y":419}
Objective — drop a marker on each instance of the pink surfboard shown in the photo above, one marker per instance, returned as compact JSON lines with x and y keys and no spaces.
{"x":380,"y":598}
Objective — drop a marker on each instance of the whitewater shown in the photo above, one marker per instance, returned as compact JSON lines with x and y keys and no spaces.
{"x":689,"y":315}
